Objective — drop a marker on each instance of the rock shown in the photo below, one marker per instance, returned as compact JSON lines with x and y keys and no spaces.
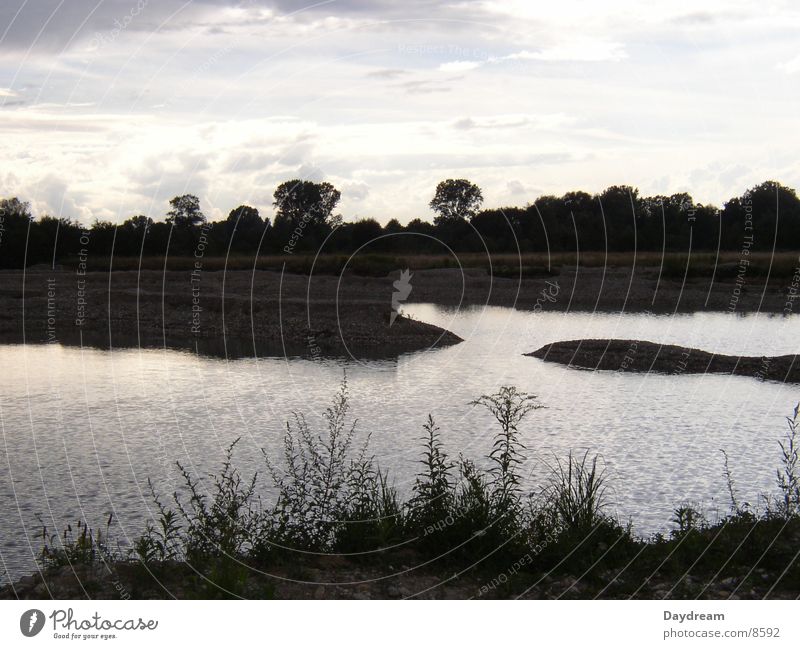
{"x":397,"y":592}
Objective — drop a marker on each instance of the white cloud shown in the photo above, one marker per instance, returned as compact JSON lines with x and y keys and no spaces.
{"x":791,"y":66}
{"x":459,"y":66}
{"x":227,"y":99}
{"x":577,"y":50}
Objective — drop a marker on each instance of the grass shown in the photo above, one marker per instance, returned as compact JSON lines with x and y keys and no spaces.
{"x":215,"y":537}
{"x":673,"y":265}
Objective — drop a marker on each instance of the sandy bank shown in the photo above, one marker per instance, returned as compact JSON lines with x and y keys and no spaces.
{"x":644,"y":356}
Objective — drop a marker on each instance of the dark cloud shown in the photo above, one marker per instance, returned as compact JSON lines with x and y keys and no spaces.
{"x":52,"y":26}
{"x":696,"y":18}
{"x":55,"y":25}
{"x":379,"y":9}
{"x":388,"y":73}
{"x":464,"y":124}
{"x":423,"y":87}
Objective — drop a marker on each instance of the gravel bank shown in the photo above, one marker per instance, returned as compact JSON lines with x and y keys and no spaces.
{"x":644,"y":356}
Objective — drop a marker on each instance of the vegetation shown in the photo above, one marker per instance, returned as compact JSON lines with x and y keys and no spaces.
{"x":456,"y":200}
{"x":764,"y":218}
{"x":331,"y":499}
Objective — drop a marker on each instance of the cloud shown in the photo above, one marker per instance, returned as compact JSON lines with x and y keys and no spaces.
{"x":696,"y":18}
{"x":356,"y":191}
{"x":515,"y":187}
{"x":587,"y":50}
{"x":387,"y":73}
{"x":228,"y":98}
{"x":51,"y":195}
{"x":51,"y":26}
{"x":513,"y":121}
{"x":580,"y":50}
{"x":424,"y":87}
{"x":791,"y":66}
{"x":464,"y":124}
{"x":459,"y":66}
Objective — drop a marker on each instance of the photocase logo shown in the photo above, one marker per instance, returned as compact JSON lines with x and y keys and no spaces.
{"x":31,"y":622}
{"x":403,"y":290}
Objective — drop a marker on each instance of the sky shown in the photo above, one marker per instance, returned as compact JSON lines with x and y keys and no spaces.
{"x":108,"y":108}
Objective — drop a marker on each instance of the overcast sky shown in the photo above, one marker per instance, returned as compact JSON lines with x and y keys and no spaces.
{"x":108,"y":108}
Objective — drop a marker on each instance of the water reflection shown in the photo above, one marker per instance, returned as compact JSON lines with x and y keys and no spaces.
{"x":84,"y":428}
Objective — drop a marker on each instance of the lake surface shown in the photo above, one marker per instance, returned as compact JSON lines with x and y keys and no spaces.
{"x":83,"y":429}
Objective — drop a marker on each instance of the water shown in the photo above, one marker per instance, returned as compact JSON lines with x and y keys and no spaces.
{"x":83,"y":429}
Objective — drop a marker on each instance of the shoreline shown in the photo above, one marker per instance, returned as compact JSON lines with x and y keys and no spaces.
{"x":231,"y":315}
{"x":642,"y":356}
{"x":658,"y":572}
{"x":250,"y":313}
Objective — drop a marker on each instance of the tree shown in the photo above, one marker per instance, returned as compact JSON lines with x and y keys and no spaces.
{"x":456,"y":200}
{"x":185,"y":211}
{"x":245,"y":220}
{"x":13,"y":208}
{"x":620,"y":207}
{"x":363,"y":232}
{"x":138,"y":223}
{"x":304,"y":200}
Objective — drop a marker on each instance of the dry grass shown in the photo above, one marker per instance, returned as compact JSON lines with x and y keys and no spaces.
{"x":672,"y":264}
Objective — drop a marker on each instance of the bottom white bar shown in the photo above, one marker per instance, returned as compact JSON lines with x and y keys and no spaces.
{"x":399,"y":624}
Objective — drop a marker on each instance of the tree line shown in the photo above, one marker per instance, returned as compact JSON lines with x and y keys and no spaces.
{"x":764,"y":217}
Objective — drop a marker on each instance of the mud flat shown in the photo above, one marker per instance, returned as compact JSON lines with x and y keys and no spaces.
{"x":262,"y":312}
{"x":645,"y":356}
{"x":232,"y":314}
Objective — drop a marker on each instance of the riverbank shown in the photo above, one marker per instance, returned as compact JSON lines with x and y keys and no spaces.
{"x":645,"y":356}
{"x":739,"y":559}
{"x":245,"y":313}
{"x":227,"y":314}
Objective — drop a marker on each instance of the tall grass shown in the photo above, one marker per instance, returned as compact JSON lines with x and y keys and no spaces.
{"x":576,"y":493}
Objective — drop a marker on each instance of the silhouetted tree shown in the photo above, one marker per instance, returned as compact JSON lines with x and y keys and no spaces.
{"x":363,"y":232}
{"x":185,"y":211}
{"x":621,"y":211}
{"x":16,"y":217}
{"x":768,"y":212}
{"x":139,"y":223}
{"x":244,"y":220}
{"x":456,"y":199}
{"x":616,"y":219}
{"x":305,"y":200}
{"x":13,"y":208}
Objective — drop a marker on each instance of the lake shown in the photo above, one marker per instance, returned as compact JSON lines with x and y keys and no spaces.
{"x":83,"y":429}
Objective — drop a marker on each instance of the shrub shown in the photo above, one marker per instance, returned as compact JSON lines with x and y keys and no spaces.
{"x":162,"y":542}
{"x":789,"y":473}
{"x":319,"y":485}
{"x":432,"y":494}
{"x":509,"y":407}
{"x":72,"y":548}
{"x":222,"y":524}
